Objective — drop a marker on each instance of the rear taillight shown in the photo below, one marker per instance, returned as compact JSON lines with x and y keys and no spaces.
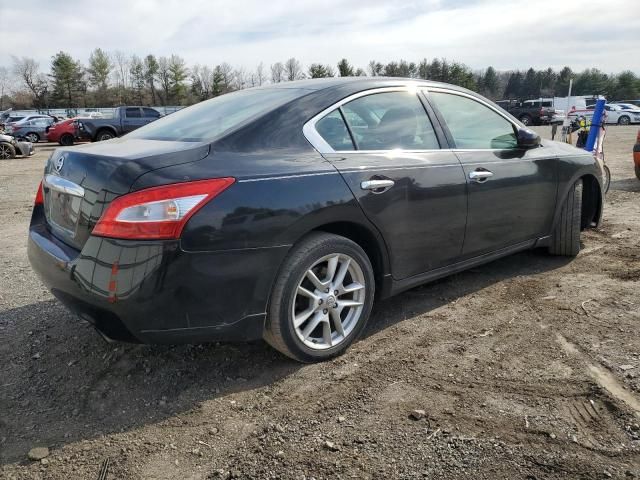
{"x":157,"y":212}
{"x":39,"y":196}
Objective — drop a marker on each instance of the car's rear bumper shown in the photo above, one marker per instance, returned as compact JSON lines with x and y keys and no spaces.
{"x":155,"y":292}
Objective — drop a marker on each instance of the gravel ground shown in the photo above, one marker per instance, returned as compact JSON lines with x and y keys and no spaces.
{"x":525,"y":368}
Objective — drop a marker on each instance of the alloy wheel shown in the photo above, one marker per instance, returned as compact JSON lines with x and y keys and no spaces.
{"x":32,"y":137}
{"x":329,"y":301}
{"x":624,"y":120}
{"x":5,"y":151}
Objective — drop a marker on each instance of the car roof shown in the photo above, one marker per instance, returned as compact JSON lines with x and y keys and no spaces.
{"x":359,"y":83}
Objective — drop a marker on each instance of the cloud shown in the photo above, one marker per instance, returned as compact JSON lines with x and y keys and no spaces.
{"x":507,"y":34}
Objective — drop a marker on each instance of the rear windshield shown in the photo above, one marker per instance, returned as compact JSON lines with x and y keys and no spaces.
{"x":207,"y":120}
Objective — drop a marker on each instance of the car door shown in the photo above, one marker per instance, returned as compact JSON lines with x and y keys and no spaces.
{"x":388,"y":151}
{"x":132,"y":119}
{"x":150,"y":114}
{"x":512,"y":190}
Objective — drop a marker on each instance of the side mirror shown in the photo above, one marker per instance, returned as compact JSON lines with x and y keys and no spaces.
{"x":528,"y":138}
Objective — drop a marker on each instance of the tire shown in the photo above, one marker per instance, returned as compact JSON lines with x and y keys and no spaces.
{"x":66,"y":140}
{"x":526,"y":120}
{"x":315,"y":253}
{"x":565,"y":240}
{"x":637,"y":169}
{"x":7,"y":151}
{"x":32,"y":137}
{"x":104,"y":135}
{"x":624,"y":120}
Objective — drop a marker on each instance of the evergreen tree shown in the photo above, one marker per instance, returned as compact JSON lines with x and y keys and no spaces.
{"x":345,"y":69}
{"x":99,"y":69}
{"x":66,"y":76}
{"x":150,"y":72}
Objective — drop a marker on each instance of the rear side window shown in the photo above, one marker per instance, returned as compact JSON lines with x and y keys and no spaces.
{"x":209,"y":120}
{"x":388,"y":121}
{"x":334,"y":131}
{"x":132,"y":113}
{"x":474,"y":125}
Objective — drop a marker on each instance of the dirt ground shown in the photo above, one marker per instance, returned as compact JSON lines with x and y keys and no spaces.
{"x":526,"y":368}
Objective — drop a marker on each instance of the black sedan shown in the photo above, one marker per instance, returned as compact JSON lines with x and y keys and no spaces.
{"x":281,"y":212}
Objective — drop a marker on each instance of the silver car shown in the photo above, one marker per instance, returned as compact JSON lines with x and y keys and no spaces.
{"x":31,"y":129}
{"x":10,"y":147}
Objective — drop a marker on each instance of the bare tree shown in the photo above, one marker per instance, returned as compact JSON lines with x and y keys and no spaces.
{"x":121,"y":73}
{"x":240,"y":78}
{"x":164,"y":77}
{"x":201,"y":81}
{"x":277,"y":72}
{"x":260,"y":77}
{"x":293,"y":69}
{"x":27,"y":71}
{"x":5,"y":80}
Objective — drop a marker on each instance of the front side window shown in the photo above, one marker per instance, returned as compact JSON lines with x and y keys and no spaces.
{"x":474,"y":125}
{"x":388,"y":121}
{"x":151,"y":113}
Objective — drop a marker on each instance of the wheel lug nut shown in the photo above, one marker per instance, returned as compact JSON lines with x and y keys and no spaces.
{"x":320,"y":302}
{"x":325,"y":311}
{"x":336,"y":292}
{"x":326,"y":291}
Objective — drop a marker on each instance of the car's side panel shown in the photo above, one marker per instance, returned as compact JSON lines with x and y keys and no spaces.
{"x":516,"y":204}
{"x":423,"y":215}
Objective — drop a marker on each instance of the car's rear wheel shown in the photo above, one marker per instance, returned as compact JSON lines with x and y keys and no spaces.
{"x":32,"y":137}
{"x":66,"y":140}
{"x":624,"y":120}
{"x":566,"y":236}
{"x":7,"y":151}
{"x":104,"y":135}
{"x":526,"y":120}
{"x":322,"y":298}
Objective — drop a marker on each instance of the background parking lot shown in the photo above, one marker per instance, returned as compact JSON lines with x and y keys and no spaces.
{"x":528,"y":367}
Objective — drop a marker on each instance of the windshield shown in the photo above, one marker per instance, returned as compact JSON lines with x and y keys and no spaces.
{"x":207,"y":120}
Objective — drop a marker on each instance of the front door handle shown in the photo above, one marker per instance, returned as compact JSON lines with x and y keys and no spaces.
{"x":480,"y":176}
{"x":377,"y":186}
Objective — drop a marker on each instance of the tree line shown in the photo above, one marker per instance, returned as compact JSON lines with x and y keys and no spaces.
{"x":111,"y":79}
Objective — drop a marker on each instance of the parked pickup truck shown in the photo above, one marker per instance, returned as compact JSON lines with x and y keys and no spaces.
{"x":535,"y":112}
{"x":124,"y":120}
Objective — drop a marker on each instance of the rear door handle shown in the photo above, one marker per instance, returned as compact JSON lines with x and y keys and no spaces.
{"x":377,"y":186}
{"x":480,"y":176}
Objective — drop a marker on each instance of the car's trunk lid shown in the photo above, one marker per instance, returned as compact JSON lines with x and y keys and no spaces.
{"x":80,"y":182}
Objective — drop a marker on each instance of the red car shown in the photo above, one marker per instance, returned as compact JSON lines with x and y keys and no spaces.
{"x":65,"y":132}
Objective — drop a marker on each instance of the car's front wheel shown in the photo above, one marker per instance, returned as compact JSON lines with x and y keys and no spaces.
{"x":322,"y":298}
{"x":7,"y":151}
{"x":566,"y":236}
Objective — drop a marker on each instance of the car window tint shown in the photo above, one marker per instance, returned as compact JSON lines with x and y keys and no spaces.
{"x":334,"y":131}
{"x":132,"y":113}
{"x":151,"y":113}
{"x":391,"y":120}
{"x":474,"y":125}
{"x":209,"y":120}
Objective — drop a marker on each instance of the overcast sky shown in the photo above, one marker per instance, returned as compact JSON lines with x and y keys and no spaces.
{"x":507,"y":34}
